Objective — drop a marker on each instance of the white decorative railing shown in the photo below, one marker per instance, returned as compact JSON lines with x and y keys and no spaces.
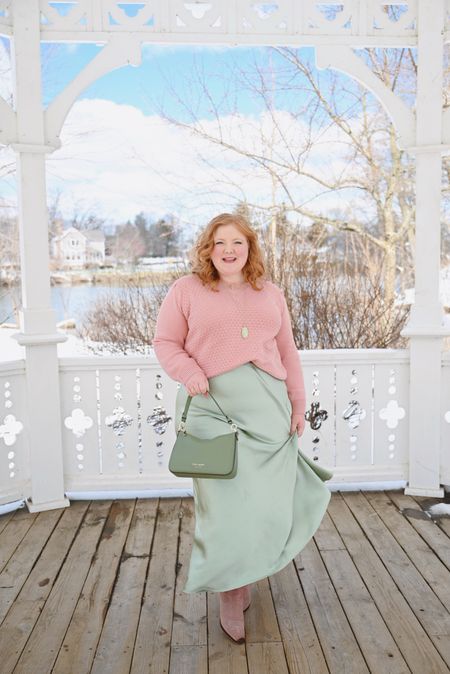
{"x":118,"y":423}
{"x":352,"y":19}
{"x":118,"y":428}
{"x":14,"y":443}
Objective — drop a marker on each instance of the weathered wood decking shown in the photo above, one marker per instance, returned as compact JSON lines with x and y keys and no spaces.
{"x":97,"y":588}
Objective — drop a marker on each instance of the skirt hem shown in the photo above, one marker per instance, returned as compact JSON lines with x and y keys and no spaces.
{"x":278,"y":568}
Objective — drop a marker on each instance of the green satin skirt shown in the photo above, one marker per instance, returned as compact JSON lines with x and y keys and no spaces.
{"x":253,"y":525}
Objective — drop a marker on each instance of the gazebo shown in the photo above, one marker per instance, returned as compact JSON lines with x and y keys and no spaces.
{"x":97,"y":587}
{"x":75,"y":427}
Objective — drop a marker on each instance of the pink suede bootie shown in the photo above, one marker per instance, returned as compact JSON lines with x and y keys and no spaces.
{"x":232,"y":605}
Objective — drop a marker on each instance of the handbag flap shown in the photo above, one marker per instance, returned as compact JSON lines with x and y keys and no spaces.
{"x":203,"y":455}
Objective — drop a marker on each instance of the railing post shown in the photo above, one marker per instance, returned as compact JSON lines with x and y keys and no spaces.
{"x":37,"y":319}
{"x":425,"y":327}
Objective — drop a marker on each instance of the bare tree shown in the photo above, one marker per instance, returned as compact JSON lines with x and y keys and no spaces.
{"x":10,"y":267}
{"x":86,"y":219}
{"x":7,"y":160}
{"x":335,"y":302}
{"x":125,"y":322}
{"x":371,"y":165}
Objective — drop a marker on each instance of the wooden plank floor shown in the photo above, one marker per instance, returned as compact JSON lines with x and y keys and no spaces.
{"x":96,"y":587}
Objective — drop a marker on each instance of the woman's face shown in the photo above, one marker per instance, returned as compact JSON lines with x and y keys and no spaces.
{"x":230,"y":251}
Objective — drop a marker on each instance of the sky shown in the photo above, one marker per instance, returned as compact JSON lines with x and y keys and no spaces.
{"x":120,"y":156}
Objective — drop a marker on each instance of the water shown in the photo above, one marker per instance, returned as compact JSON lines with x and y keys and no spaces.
{"x":67,"y":301}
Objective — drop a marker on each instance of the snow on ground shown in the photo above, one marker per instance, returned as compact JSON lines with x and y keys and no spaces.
{"x":74,"y":346}
{"x":438,"y":510}
{"x":11,"y":350}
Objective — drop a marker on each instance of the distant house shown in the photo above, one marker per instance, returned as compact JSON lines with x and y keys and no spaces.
{"x":76,"y":249}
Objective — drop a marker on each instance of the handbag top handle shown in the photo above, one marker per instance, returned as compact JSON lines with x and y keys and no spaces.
{"x":188,"y":402}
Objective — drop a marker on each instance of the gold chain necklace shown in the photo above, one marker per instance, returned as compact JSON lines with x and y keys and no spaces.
{"x":244,"y":328}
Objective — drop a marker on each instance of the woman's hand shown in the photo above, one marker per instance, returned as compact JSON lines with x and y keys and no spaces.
{"x":298,"y":423}
{"x":198,"y":383}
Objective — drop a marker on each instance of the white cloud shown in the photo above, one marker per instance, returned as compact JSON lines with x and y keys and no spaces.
{"x":115,"y":161}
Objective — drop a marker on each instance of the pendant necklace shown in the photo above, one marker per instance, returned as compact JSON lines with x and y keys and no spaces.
{"x":244,"y":328}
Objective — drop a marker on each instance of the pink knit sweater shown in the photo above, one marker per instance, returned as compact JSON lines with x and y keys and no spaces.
{"x":199,"y":330}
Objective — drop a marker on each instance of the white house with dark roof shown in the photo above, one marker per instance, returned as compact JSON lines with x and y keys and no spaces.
{"x":78,"y":248}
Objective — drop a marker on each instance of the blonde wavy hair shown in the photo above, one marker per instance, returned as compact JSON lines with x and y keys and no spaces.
{"x":200,"y":254}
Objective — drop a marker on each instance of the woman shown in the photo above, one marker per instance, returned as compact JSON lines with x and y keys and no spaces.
{"x":225,"y":328}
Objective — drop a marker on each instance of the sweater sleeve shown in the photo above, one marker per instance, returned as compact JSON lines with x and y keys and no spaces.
{"x":170,"y":334}
{"x":291,"y":360}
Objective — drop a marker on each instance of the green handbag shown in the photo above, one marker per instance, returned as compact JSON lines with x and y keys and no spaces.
{"x":204,"y":457}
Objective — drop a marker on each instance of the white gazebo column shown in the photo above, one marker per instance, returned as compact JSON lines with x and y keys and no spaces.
{"x":38,"y":325}
{"x":425,"y":328}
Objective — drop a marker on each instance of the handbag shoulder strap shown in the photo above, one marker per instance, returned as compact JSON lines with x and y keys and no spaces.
{"x":188,"y":402}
